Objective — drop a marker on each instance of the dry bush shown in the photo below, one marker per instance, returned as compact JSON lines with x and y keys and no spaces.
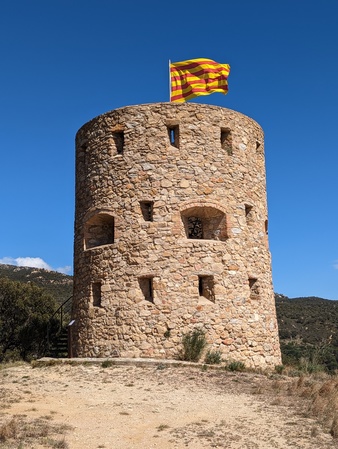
{"x":25,"y":431}
{"x":334,"y":427}
{"x":323,"y":394}
{"x":9,"y":430}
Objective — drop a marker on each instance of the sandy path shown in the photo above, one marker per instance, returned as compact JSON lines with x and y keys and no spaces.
{"x":158,"y":407}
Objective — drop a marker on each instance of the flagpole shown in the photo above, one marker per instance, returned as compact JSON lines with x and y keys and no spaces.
{"x":169,"y":82}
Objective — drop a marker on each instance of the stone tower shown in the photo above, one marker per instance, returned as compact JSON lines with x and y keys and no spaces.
{"x":171,"y":234}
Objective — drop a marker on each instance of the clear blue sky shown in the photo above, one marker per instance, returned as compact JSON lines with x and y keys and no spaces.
{"x":64,"y":62}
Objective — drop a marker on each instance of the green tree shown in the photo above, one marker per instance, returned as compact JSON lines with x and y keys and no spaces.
{"x":25,"y":310}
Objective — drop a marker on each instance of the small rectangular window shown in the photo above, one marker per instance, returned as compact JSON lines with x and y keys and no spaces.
{"x":254,"y":291}
{"x":249,"y":214}
{"x":206,"y":287}
{"x":118,"y":137}
{"x":226,"y":140}
{"x":173,"y":133}
{"x":266,"y":227}
{"x":147,"y":210}
{"x":146,"y":285}
{"x":96,"y":294}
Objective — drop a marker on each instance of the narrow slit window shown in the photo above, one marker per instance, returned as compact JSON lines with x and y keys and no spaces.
{"x":147,"y":208}
{"x":254,"y":291}
{"x":226,"y":140}
{"x":206,"y":287}
{"x":118,"y":137}
{"x":96,"y":294}
{"x":258,"y":144}
{"x":266,"y":227}
{"x":146,"y":286}
{"x":173,"y":133}
{"x":83,"y":154}
{"x":248,"y":213}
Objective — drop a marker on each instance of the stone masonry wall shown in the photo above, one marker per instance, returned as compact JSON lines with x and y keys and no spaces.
{"x":171,"y":234}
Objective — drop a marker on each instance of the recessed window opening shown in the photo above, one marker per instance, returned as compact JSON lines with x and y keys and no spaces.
{"x":204,"y":223}
{"x":96,"y":294}
{"x":173,"y":133}
{"x":206,"y":287}
{"x":266,"y":225}
{"x":254,"y":291}
{"x":147,"y":208}
{"x":118,"y":137}
{"x":226,"y":140}
{"x":146,"y":286}
{"x":248,"y":213}
{"x":258,"y":144}
{"x":195,"y":228}
{"x":99,"y":230}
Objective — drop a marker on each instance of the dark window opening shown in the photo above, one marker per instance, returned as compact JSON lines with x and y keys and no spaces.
{"x":173,"y":133}
{"x":206,"y":287}
{"x":266,"y":227}
{"x":99,"y":230}
{"x":258,"y":144}
{"x":226,"y":140}
{"x":254,"y":291}
{"x":96,"y":294}
{"x":147,"y":210}
{"x":248,"y":213}
{"x":118,"y":137}
{"x":146,"y":286}
{"x":204,"y":223}
{"x":195,"y":228}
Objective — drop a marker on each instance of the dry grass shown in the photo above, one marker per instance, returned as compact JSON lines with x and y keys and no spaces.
{"x":20,"y":431}
{"x":319,"y":393}
{"x":300,"y":398}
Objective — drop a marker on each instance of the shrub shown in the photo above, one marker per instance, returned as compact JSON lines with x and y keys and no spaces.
{"x":25,"y":310}
{"x":193,"y":344}
{"x":107,"y":364}
{"x":213,"y":357}
{"x":236,"y":366}
{"x":279,"y":369}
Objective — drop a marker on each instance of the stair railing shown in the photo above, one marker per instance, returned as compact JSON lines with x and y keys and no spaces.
{"x":59,"y":320}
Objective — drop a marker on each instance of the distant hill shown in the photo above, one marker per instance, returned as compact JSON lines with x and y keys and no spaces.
{"x":59,"y":285}
{"x":310,"y":319}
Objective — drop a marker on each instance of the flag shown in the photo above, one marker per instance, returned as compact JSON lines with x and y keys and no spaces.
{"x":196,"y":77}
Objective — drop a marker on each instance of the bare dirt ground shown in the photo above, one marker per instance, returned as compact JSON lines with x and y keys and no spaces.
{"x":124,"y":407}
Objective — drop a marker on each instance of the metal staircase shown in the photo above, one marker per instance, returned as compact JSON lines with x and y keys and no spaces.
{"x":58,"y":330}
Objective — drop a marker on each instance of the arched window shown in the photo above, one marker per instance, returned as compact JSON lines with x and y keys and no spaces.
{"x":204,"y":222}
{"x":99,"y":230}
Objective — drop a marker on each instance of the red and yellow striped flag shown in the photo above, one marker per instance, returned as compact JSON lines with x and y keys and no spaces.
{"x":196,"y":77}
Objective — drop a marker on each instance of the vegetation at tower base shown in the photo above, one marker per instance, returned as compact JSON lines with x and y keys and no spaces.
{"x":25,"y":310}
{"x":193,"y":344}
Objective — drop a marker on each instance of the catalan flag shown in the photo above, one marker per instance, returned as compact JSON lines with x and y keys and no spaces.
{"x":196,"y":77}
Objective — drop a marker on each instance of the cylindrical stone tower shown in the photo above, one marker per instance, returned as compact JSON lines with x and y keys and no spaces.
{"x":171,"y":234}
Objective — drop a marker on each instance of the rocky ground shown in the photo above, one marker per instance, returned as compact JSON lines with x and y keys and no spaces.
{"x":80,"y":406}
